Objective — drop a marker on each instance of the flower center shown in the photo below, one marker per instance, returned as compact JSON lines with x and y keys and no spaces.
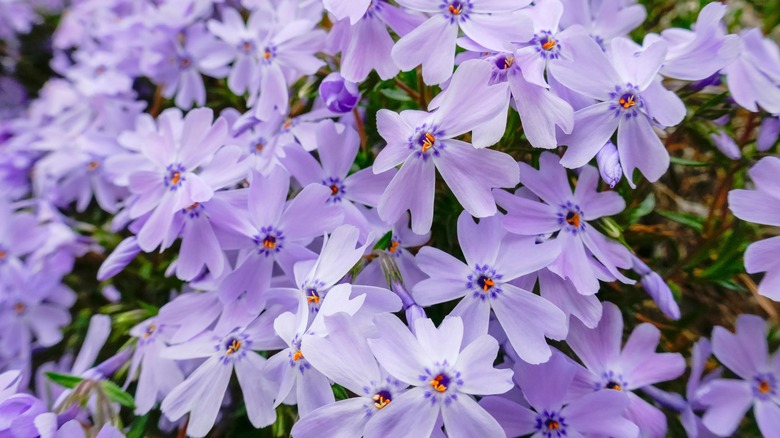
{"x":334,"y":189}
{"x":93,"y":165}
{"x":428,"y":140}
{"x":549,"y":44}
{"x":613,"y":385}
{"x":393,"y":247}
{"x":268,"y":53}
{"x":485,"y":283}
{"x":185,"y":62}
{"x":247,"y":46}
{"x":232,"y":346}
{"x":19,"y":308}
{"x":3,"y":255}
{"x":440,"y":383}
{"x":764,"y":387}
{"x":269,"y":242}
{"x":551,"y":424}
{"x":312,"y":296}
{"x":150,"y":329}
{"x":175,"y":176}
{"x":455,"y":8}
{"x":297,"y":356}
{"x":381,"y":399}
{"x":627,"y":100}
{"x":573,"y":219}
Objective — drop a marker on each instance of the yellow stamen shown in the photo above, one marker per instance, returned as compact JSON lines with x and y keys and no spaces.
{"x":614,"y":386}
{"x":297,"y":356}
{"x":508,"y":61}
{"x":380,"y":401}
{"x":437,"y":385}
{"x":428,"y":142}
{"x":193,"y":206}
{"x":550,"y":44}
{"x":234,"y":346}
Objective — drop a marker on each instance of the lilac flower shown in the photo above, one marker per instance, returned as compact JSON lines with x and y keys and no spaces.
{"x":553,"y":411}
{"x":243,"y":45}
{"x":699,"y":53}
{"x":761,"y":205}
{"x":690,"y":420}
{"x":609,"y":164}
{"x":168,"y":176}
{"x":276,"y":231}
{"x":123,"y":254}
{"x":631,"y":368}
{"x":345,"y":357}
{"x":443,"y":375}
{"x":586,"y":254}
{"x":315,"y":278}
{"x":178,"y":59}
{"x":753,"y":78}
{"x":489,"y":23}
{"x":339,"y":95}
{"x":287,"y":52}
{"x":603,"y":20}
{"x":492,"y":261}
{"x":424,"y":141}
{"x":298,"y":381}
{"x":629,"y":98}
{"x":337,"y":147}
{"x":157,"y":375}
{"x":19,"y":236}
{"x":727,"y":400}
{"x":768,"y":133}
{"x":202,"y":392}
{"x":366,"y":44}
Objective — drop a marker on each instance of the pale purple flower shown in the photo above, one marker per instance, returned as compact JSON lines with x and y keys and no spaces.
{"x":493,"y":259}
{"x":243,"y":45}
{"x":609,"y":164}
{"x":603,"y":20}
{"x":726,"y":144}
{"x":345,"y":357}
{"x":633,"y":367}
{"x":630,"y":98}
{"x":422,"y":142}
{"x":727,"y":400}
{"x":352,"y":9}
{"x":553,"y":412}
{"x":754,"y":77}
{"x":699,"y":53}
{"x":761,"y":205}
{"x":586,"y":255}
{"x":123,"y":254}
{"x":768,"y":133}
{"x":490,"y":23}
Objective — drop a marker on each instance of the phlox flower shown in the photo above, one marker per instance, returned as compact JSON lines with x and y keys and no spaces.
{"x":553,"y":411}
{"x":586,"y":254}
{"x":634,"y":366}
{"x":603,"y":20}
{"x":629,"y":98}
{"x":727,"y":400}
{"x":444,"y":376}
{"x":345,"y":357}
{"x":422,"y":142}
{"x":493,"y":259}
{"x":243,"y":45}
{"x":761,"y":205}
{"x":754,"y":77}
{"x":490,"y":23}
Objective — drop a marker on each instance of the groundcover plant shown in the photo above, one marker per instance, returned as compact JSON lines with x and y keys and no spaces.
{"x":389,"y":218}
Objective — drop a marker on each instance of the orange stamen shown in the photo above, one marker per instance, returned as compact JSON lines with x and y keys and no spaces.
{"x":488,"y":283}
{"x":455,"y":10}
{"x":297,"y":356}
{"x":508,"y":61}
{"x":627,"y":103}
{"x":764,"y":387}
{"x":437,"y":385}
{"x":573,"y":220}
{"x":234,"y":346}
{"x":176,"y":177}
{"x":551,"y":43}
{"x":19,"y":308}
{"x":393,"y":246}
{"x":428,"y":142}
{"x":93,"y":165}
{"x":334,"y":189}
{"x":380,"y":401}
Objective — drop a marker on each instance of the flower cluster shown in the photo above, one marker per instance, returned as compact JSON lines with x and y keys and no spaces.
{"x":254,"y":209}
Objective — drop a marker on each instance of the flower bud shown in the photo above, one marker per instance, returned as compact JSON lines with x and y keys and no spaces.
{"x":609,"y":164}
{"x":768,"y":133}
{"x":339,"y":95}
{"x":124,"y":253}
{"x":726,"y":144}
{"x":657,"y":288}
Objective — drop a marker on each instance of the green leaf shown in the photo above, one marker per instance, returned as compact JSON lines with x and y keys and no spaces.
{"x":643,"y":209}
{"x":64,"y":380}
{"x":117,"y":394}
{"x":689,"y":163}
{"x":340,"y":392}
{"x":138,"y":427}
{"x":384,"y":242}
{"x":395,"y":94}
{"x":688,"y":220}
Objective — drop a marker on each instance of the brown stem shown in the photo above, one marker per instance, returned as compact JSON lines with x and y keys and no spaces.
{"x":361,"y":128}
{"x":157,"y":102}
{"x":413,"y":94}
